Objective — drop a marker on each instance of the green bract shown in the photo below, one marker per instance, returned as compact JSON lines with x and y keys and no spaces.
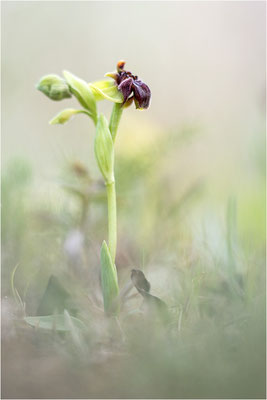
{"x":106,"y":89}
{"x":104,"y":149}
{"x":54,"y":87}
{"x":109,"y":281}
{"x":83,"y":93}
{"x":64,"y":116}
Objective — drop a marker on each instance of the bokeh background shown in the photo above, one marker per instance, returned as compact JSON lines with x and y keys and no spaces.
{"x":190,"y":178}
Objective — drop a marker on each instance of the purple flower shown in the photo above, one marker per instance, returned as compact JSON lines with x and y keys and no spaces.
{"x":131,"y":87}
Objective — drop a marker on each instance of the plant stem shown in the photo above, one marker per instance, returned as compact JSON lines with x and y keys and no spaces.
{"x":111,"y":191}
{"x":112,"y":219}
{"x":115,"y":119}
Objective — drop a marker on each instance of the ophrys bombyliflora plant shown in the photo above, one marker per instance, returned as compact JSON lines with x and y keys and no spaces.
{"x":123,"y":89}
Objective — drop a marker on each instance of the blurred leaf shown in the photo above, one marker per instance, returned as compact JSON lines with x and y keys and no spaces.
{"x":57,"y":322}
{"x":74,"y":330}
{"x":109,"y":282}
{"x":54,"y":299}
{"x":139,"y":280}
{"x":152,"y":305}
{"x":13,"y":288}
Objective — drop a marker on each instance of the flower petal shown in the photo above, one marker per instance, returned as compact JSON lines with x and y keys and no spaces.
{"x":125,"y":87}
{"x":106,"y":89}
{"x":142,"y":94}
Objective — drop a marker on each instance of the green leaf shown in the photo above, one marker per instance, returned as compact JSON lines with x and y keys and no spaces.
{"x":57,"y":322}
{"x":109,"y":282}
{"x":64,"y":116}
{"x":106,"y":89}
{"x":104,"y":149}
{"x":82,"y":92}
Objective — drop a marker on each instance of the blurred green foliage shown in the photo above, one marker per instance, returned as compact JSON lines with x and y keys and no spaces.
{"x":207,"y":267}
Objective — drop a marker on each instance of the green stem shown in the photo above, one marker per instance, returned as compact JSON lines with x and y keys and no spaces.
{"x":112,"y":219}
{"x":115,"y":119}
{"x":111,"y":191}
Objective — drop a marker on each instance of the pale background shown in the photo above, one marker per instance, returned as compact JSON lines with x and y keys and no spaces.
{"x":204,"y":63}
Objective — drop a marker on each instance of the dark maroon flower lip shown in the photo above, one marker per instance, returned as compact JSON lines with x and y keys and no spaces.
{"x":131,"y":87}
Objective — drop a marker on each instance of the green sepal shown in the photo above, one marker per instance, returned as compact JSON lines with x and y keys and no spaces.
{"x":106,"y":89}
{"x":109,"y":282}
{"x":82,"y":92}
{"x":64,"y":116}
{"x":104,"y":149}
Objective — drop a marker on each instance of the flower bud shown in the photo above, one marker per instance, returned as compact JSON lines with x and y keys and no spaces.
{"x":54,"y":87}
